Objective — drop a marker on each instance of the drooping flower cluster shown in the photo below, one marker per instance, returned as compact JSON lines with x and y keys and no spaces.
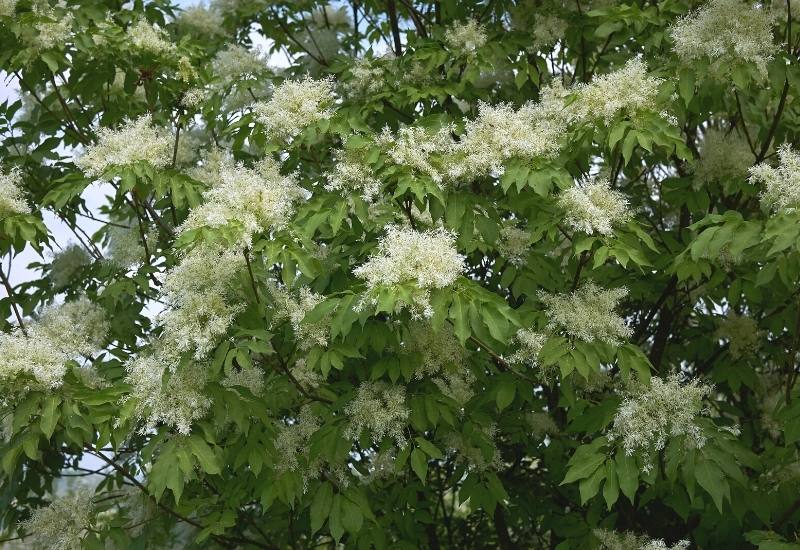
{"x":610,"y":540}
{"x":724,"y":156}
{"x":428,"y":260}
{"x":149,"y":38}
{"x":125,"y":247}
{"x":367,"y":77}
{"x":782,"y":184}
{"x":594,"y":207}
{"x":53,"y":29}
{"x":588,"y":313}
{"x":742,"y":333}
{"x":12,"y":197}
{"x":648,"y":417}
{"x":63,"y":524}
{"x":295,"y":105}
{"x":728,"y":33}
{"x":254,"y":199}
{"x":198,"y":292}
{"x":465,"y":37}
{"x":500,"y":133}
{"x":236,"y":62}
{"x":437,"y":350}
{"x":287,"y":307}
{"x":514,"y":245}
{"x":547,"y":31}
{"x":379,"y":409}
{"x":627,"y":91}
{"x":7,"y":8}
{"x":66,"y":263}
{"x":62,"y":333}
{"x":201,"y":21}
{"x":351,"y":174}
{"x":530,"y":344}
{"x":177,"y":403}
{"x":251,"y":378}
{"x":137,"y":140}
{"x":418,"y":148}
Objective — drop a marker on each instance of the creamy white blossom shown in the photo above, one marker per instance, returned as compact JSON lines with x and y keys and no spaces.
{"x":742,"y":334}
{"x":724,"y":156}
{"x":7,"y":8}
{"x":437,"y":351}
{"x":380,"y":410}
{"x":648,"y":417}
{"x":235,"y":62}
{"x":588,"y":313}
{"x":77,"y":327}
{"x":305,"y":375}
{"x":351,"y":174}
{"x":137,"y":140}
{"x":627,"y":91}
{"x":419,"y":148}
{"x":367,"y":77}
{"x":331,"y":17}
{"x":287,"y":307}
{"x":547,"y":31}
{"x":514,"y":245}
{"x":198,"y":291}
{"x":594,"y":207}
{"x":610,"y":540}
{"x":12,"y":197}
{"x":728,"y":33}
{"x":251,"y":378}
{"x":125,"y":247}
{"x":529,"y":344}
{"x":54,"y":28}
{"x":465,"y":37}
{"x":39,"y":358}
{"x":295,"y":105}
{"x":501,"y":132}
{"x":177,"y":403}
{"x":782,"y":184}
{"x":202,"y":21}
{"x":63,"y":524}
{"x":150,"y":38}
{"x":256,"y":199}
{"x":66,"y":263}
{"x":427,"y":259}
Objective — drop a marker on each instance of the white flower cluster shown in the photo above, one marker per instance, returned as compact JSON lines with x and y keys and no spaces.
{"x":352,"y":174}
{"x":588,"y":313}
{"x":367,"y":77}
{"x":379,"y":409}
{"x":137,"y":140}
{"x":742,"y":333}
{"x":251,"y":378}
{"x":125,"y":247}
{"x":150,"y":38}
{"x":177,"y":403}
{"x":782,"y":184}
{"x":7,"y":8}
{"x":62,"y":333}
{"x":62,"y":524}
{"x":295,"y":105}
{"x":724,"y":156}
{"x":728,"y":33}
{"x":305,"y":375}
{"x":465,"y":37}
{"x":12,"y":197}
{"x":201,"y":21}
{"x":514,"y":245}
{"x":648,"y":417}
{"x":331,"y":17}
{"x":594,"y":207}
{"x":500,"y":132}
{"x":254,"y":199}
{"x":438,"y":351}
{"x":294,"y":310}
{"x":55,"y":30}
{"x":235,"y":62}
{"x":293,"y":441}
{"x":626,"y":91}
{"x":198,"y":292}
{"x":530,"y":344}
{"x":547,"y":31}
{"x":419,"y":149}
{"x":429,"y":260}
{"x":66,"y":263}
{"x":610,"y":540}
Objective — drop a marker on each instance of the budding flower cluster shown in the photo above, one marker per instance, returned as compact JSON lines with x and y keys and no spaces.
{"x":295,"y":105}
{"x":530,"y":344}
{"x":137,"y":140}
{"x":782,"y":184}
{"x":465,"y":37}
{"x":588,"y":313}
{"x":379,"y":409}
{"x":287,"y":307}
{"x":741,"y":332}
{"x":66,"y":263}
{"x":594,"y":207}
{"x":514,"y":245}
{"x":149,"y":38}
{"x":429,"y":260}
{"x":202,"y":21}
{"x":649,"y":417}
{"x":727,"y":32}
{"x":63,"y":524}
{"x":12,"y":198}
{"x":419,"y":148}
{"x":724,"y":156}
{"x":351,"y":173}
{"x":62,"y":333}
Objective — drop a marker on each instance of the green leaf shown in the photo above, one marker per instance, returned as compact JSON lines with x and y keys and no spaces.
{"x":50,"y":415}
{"x":419,"y":463}
{"x":583,"y":468}
{"x":321,"y":506}
{"x":352,"y":518}
{"x":505,"y":393}
{"x":611,"y":486}
{"x":429,"y":447}
{"x":204,"y":454}
{"x":710,"y":478}
{"x":335,"y":518}
{"x":627,"y":474}
{"x":588,"y":487}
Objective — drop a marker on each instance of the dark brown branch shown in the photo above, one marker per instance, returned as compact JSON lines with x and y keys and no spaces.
{"x":393,"y":22}
{"x":13,"y":302}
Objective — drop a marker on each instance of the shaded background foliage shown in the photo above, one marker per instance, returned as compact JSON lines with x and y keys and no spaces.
{"x":303,"y":454}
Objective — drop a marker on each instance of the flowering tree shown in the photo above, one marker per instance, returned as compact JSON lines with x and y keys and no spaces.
{"x":460,"y":274}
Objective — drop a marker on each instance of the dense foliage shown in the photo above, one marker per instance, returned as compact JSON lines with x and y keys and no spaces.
{"x":461,"y":274}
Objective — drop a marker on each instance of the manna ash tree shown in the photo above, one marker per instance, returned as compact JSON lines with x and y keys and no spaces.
{"x":412,"y":274}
